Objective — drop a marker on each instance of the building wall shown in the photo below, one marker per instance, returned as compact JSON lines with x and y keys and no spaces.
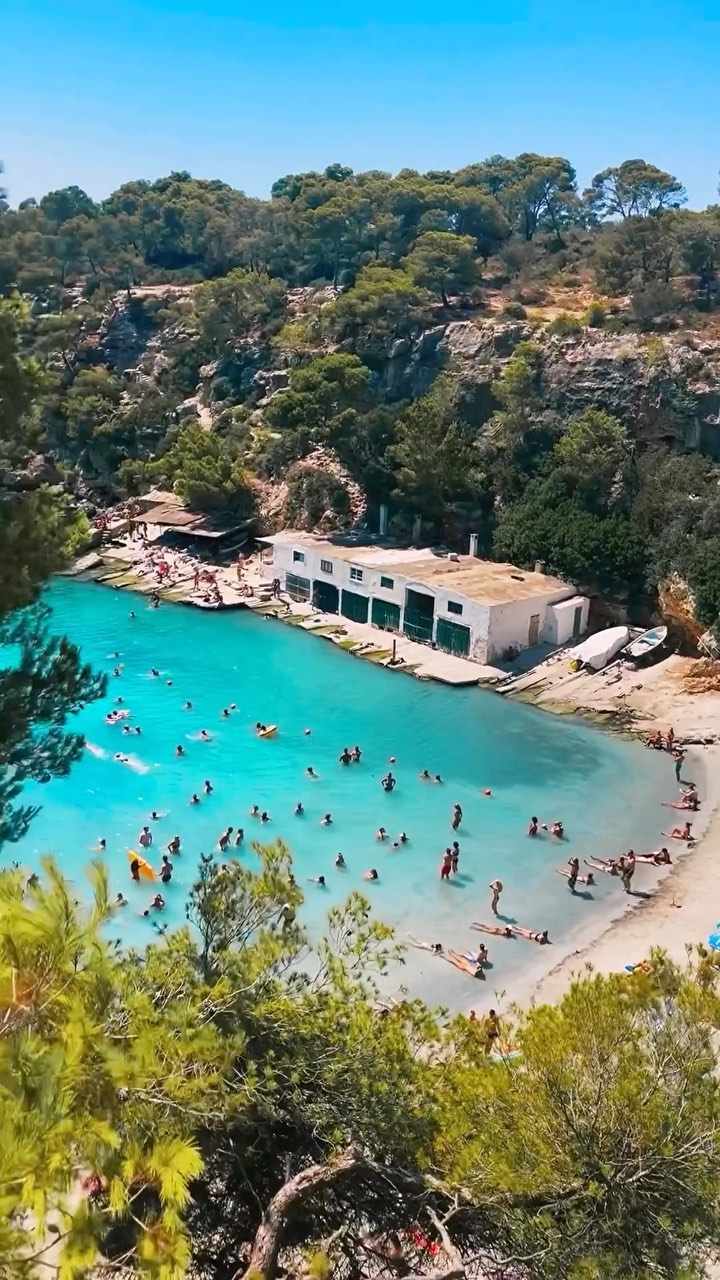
{"x":493,"y":628}
{"x":509,"y":625}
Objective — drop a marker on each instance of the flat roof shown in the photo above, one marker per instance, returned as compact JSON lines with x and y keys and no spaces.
{"x":486,"y":581}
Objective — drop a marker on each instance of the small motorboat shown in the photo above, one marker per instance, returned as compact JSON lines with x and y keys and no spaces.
{"x":640,"y":648}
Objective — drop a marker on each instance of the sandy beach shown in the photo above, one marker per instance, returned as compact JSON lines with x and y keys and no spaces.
{"x":681,"y":909}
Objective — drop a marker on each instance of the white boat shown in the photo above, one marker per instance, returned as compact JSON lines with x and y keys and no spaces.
{"x":645,"y":643}
{"x":597,"y":650}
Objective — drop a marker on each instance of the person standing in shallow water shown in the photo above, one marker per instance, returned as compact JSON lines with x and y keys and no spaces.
{"x":496,"y":888}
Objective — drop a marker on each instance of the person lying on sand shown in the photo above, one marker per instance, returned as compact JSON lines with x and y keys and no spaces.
{"x":463,"y":963}
{"x":435,"y":948}
{"x":498,"y":930}
{"x":681,"y":833}
{"x":532,"y":935}
{"x":610,"y":865}
{"x":659,"y":858}
{"x":574,"y":878}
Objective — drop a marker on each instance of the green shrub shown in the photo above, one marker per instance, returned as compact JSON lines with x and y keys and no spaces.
{"x":514,"y":311}
{"x":655,"y":351}
{"x":596,"y":315}
{"x":565,"y":325}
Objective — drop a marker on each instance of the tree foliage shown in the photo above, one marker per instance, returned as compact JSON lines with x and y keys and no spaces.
{"x":42,"y":678}
{"x":231,"y":1100}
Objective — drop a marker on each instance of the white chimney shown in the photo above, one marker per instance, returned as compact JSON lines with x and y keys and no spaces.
{"x":417,"y":527}
{"x":382,"y":526}
{"x":539,"y":566}
{"x":474,"y":539}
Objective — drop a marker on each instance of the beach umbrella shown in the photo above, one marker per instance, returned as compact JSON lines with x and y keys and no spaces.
{"x":714,"y":941}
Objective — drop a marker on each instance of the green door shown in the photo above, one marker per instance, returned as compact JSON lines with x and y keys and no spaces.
{"x":418,"y":626}
{"x":354,"y":607}
{"x":385,"y":614}
{"x":453,"y":637}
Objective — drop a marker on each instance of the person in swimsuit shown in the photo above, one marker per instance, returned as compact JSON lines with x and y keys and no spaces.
{"x":388,"y":782}
{"x":319,"y":880}
{"x":102,"y":844}
{"x":491,"y":1028}
{"x":208,"y":787}
{"x":533,"y":827}
{"x":455,"y":856}
{"x":344,"y":757}
{"x":340,"y":861}
{"x":224,"y":840}
{"x":145,"y":838}
{"x":310,"y":772}
{"x":446,"y":865}
{"x":174,"y":845}
{"x":135,"y":870}
{"x":574,"y":865}
{"x":499,"y":930}
{"x":381,"y":834}
{"x":496,"y":888}
{"x":533,"y":935}
{"x":179,"y":751}
{"x":299,"y":811}
{"x":120,"y":901}
{"x":158,"y":902}
{"x":355,"y":755}
{"x":326,"y":821}
{"x":239,"y":837}
{"x":166,"y":869}
{"x":371,"y":874}
{"x":457,"y":817}
{"x":264,"y":816}
{"x":194,"y":799}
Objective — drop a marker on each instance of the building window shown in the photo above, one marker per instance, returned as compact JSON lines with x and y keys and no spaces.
{"x":387,"y":583}
{"x":454,"y":606}
{"x":298,"y":557}
{"x":326,"y":566}
{"x":356,"y":575}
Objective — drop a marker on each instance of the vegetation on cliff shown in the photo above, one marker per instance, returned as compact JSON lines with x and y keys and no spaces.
{"x":194,"y":337}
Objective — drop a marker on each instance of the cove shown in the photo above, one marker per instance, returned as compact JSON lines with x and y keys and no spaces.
{"x":606,"y":790}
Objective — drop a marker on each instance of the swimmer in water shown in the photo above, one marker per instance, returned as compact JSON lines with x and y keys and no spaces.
{"x":155,"y":816}
{"x":403,"y":837}
{"x":208,"y":787}
{"x":388,"y":783}
{"x":188,"y":706}
{"x":194,"y":799}
{"x":340,"y":861}
{"x":225,"y":712}
{"x":264,"y":816}
{"x":371,"y":874}
{"x":255,"y":811}
{"x":102,"y":844}
{"x":204,"y":735}
{"x":239,"y":836}
{"x":299,"y":809}
{"x":557,"y":829}
{"x":224,"y":840}
{"x":381,"y":834}
{"x":355,"y":755}
{"x":145,"y":838}
{"x":425,"y":776}
{"x":532,"y":827}
{"x":325,"y":822}
{"x":118,"y":699}
{"x":179,"y":751}
{"x":174,"y":845}
{"x":120,"y":901}
{"x":344,"y":757}
{"x":154,"y":671}
{"x":135,"y":870}
{"x":158,"y":902}
{"x":310,"y":772}
{"x":166,"y":869}
{"x":131,"y":613}
{"x":168,"y":683}
{"x":457,"y":817}
{"x":319,"y":880}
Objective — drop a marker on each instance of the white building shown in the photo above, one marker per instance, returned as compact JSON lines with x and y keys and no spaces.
{"x":472,"y":608}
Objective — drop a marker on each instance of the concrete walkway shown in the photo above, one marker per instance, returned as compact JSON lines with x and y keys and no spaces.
{"x":370,"y":642}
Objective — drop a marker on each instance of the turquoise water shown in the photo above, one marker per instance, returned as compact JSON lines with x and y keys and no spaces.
{"x":605,"y":790}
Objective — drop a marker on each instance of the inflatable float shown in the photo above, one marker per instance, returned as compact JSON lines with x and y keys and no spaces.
{"x":268,"y":732}
{"x":504,"y":1052}
{"x":144,"y":867}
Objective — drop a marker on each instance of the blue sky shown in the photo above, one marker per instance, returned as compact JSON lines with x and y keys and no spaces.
{"x":96,"y":94}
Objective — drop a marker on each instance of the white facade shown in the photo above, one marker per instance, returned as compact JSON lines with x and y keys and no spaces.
{"x":375,"y":581}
